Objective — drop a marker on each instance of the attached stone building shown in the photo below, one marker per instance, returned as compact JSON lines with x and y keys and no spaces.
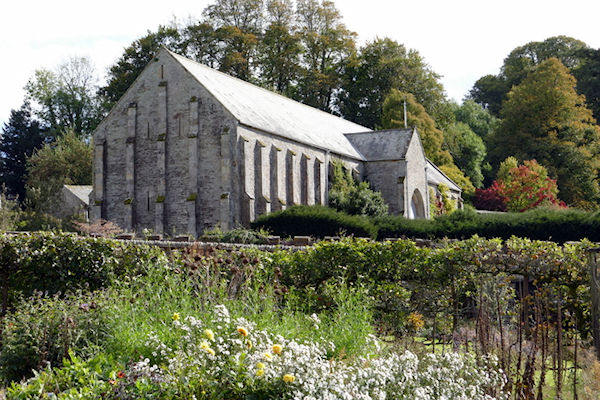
{"x":187,"y":148}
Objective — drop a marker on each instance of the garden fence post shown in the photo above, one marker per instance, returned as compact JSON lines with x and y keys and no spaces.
{"x":593,"y":256}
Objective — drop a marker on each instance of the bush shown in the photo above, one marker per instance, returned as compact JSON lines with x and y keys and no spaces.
{"x":43,"y":329}
{"x":317,"y":221}
{"x":59,"y":262}
{"x":552,"y":224}
{"x":352,"y":197}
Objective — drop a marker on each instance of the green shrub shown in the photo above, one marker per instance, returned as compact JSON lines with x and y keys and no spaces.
{"x":352,"y":197}
{"x":41,"y":331}
{"x":317,"y":221}
{"x":58,"y":262}
{"x":539,"y":224}
{"x":245,"y":236}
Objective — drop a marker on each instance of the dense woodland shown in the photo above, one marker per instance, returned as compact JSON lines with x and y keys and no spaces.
{"x":532,"y":127}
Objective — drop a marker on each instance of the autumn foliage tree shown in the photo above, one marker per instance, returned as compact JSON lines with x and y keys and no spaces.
{"x":431,"y":136}
{"x":519,"y":188}
{"x":545,"y":119}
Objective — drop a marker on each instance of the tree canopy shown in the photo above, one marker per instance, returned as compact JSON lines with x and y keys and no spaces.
{"x":417,"y":116}
{"x":68,"y":160}
{"x":66,"y":98}
{"x":21,"y":136}
{"x":545,"y":119}
{"x":491,"y":90}
{"x":379,"y":67}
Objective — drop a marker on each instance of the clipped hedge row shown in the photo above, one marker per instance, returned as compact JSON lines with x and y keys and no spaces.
{"x":318,"y":221}
{"x":540,"y":224}
{"x":60,"y":262}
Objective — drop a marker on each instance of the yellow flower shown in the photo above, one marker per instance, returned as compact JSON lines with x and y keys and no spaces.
{"x":209,"y":334}
{"x":204,"y":345}
{"x":260,"y":372}
{"x":260,"y":365}
{"x":287,"y":378}
{"x":267,"y":356}
{"x":175,"y":316}
{"x":210,"y":351}
{"x":277,"y":348}
{"x":248,"y":344}
{"x":242,"y":331}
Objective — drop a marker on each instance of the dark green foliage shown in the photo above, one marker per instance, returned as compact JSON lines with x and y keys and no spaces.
{"x":43,"y":329}
{"x":21,"y":136}
{"x":68,"y":160}
{"x":352,"y":197}
{"x":491,"y":90}
{"x":58,"y":262}
{"x":467,"y":150}
{"x":380,"y":66}
{"x":317,"y":221}
{"x":539,"y":224}
{"x":587,"y":74}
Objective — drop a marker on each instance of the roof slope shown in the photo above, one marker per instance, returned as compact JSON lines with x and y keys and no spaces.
{"x":385,"y":145}
{"x":82,"y":192}
{"x":436,"y":176}
{"x":268,"y":111}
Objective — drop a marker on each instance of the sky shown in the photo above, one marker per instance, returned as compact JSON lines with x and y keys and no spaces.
{"x":461,"y":40}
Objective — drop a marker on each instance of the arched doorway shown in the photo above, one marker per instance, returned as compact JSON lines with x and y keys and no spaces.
{"x":417,"y":206}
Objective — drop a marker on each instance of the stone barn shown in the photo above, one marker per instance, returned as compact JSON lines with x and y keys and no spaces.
{"x":188,"y":148}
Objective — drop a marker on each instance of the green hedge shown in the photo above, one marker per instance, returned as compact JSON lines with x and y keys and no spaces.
{"x":540,"y":224}
{"x":317,"y":221}
{"x":60,"y":262}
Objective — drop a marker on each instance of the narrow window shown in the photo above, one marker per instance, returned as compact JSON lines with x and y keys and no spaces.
{"x":162,"y":72}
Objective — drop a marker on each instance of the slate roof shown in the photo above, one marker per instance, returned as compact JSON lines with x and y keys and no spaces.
{"x":390,"y":144}
{"x":273,"y":113}
{"x":82,"y":192}
{"x":436,"y":176}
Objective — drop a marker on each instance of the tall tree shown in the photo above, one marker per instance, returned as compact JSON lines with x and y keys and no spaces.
{"x":545,"y":119}
{"x":480,"y":120}
{"x":468,"y":151}
{"x":199,"y":42}
{"x":587,"y":74}
{"x":380,"y":66}
{"x":491,"y":90}
{"x":280,"y":48}
{"x":237,"y":24}
{"x":327,"y":45}
{"x":20,"y":137}
{"x":431,"y":137}
{"x":67,"y":97}
{"x":68,"y":160}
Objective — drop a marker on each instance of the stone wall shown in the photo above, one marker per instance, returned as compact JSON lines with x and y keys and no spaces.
{"x":274,"y":173}
{"x":161,"y":156}
{"x":415,"y":183}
